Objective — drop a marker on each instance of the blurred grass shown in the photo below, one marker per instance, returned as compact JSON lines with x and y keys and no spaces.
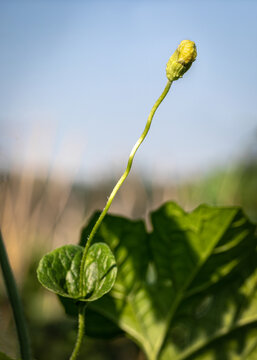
{"x":39,"y":214}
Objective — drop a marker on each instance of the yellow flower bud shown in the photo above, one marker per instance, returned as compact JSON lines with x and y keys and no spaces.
{"x":181,"y":60}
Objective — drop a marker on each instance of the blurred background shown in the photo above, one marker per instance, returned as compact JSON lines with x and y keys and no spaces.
{"x":78,"y":79}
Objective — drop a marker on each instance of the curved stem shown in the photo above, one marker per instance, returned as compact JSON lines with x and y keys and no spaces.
{"x":81,"y":330}
{"x":122,"y":178}
{"x":15,"y":302}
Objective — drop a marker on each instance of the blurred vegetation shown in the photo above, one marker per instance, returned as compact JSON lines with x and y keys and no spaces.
{"x":39,"y":214}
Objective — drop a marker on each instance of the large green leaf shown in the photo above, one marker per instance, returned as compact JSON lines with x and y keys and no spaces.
{"x":217,"y":324}
{"x":59,"y":271}
{"x":212,"y":268}
{"x":187,"y":289}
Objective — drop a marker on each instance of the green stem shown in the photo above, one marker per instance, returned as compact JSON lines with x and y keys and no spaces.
{"x":81,"y":330}
{"x":122,"y":179}
{"x":15,"y":303}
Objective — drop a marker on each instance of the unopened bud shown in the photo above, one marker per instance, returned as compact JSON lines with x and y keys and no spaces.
{"x":181,"y":60}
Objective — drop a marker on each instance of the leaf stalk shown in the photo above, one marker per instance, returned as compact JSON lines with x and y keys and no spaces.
{"x":81,"y":330}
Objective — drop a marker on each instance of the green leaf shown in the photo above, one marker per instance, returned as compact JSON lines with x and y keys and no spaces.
{"x":59,"y":271}
{"x":218,"y":323}
{"x":189,"y":261}
{"x":215,"y":317}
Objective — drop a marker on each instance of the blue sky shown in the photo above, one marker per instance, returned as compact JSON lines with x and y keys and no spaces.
{"x":78,"y":79}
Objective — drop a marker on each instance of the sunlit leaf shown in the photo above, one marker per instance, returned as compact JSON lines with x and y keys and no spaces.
{"x":59,"y":271}
{"x":187,"y":290}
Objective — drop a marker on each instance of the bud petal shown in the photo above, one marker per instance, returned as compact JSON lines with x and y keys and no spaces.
{"x":181,"y":60}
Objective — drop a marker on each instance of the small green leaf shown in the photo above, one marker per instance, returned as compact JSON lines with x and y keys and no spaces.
{"x":59,"y":271}
{"x":99,"y":272}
